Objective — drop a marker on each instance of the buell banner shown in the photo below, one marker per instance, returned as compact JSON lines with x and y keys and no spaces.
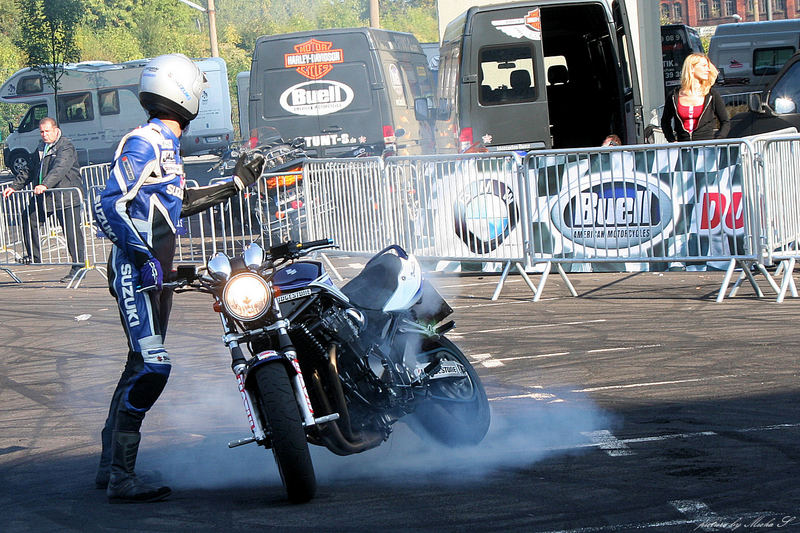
{"x":615,"y":209}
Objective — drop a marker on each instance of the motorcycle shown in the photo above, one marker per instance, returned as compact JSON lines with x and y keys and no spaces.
{"x":333,"y":367}
{"x":277,"y":204}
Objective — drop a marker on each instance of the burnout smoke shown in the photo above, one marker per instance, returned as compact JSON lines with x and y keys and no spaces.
{"x":518,"y":437}
{"x":522,"y":433}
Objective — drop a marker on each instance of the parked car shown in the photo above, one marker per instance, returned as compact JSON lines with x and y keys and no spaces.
{"x":774,"y":109}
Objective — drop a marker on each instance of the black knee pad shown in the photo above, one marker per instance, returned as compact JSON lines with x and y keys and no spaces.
{"x":145,"y":390}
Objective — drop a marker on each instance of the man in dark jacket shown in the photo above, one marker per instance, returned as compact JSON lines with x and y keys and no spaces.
{"x":58,"y":168}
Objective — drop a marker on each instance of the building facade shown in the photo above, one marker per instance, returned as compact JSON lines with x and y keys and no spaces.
{"x":713,"y":12}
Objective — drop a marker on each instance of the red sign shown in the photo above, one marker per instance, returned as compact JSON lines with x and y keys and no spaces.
{"x":313,"y":59}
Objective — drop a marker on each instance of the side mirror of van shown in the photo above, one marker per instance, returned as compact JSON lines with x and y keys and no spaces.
{"x":443,"y":111}
{"x":10,"y":128}
{"x":754,"y":103}
{"x":421,"y":109}
{"x":784,"y":106}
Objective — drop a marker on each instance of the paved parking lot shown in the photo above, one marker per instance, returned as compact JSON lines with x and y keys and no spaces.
{"x":640,"y":405}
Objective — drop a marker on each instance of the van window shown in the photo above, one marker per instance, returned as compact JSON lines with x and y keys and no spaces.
{"x":29,"y":85}
{"x":109,"y":102}
{"x":418,"y":81}
{"x":75,"y":108}
{"x":448,"y":79}
{"x":31,"y":119}
{"x":398,"y":94}
{"x":506,"y":75}
{"x":767,"y":61}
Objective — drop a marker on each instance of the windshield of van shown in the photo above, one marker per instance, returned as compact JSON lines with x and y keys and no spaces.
{"x":787,"y":87}
{"x":506,"y":75}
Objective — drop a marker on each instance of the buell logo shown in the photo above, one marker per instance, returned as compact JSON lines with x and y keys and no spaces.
{"x":614,"y":214}
{"x":527,"y":27}
{"x":313,"y":59}
{"x":316,"y":98}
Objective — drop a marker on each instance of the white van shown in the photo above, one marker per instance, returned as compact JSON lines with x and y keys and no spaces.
{"x":98,"y":104}
{"x":750,"y":54}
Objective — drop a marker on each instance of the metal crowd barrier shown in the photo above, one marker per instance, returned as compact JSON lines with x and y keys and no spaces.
{"x":683,"y":205}
{"x":779,"y":167}
{"x":703,"y":205}
{"x":694,"y":206}
{"x":467,"y":208}
{"x":47,"y":229}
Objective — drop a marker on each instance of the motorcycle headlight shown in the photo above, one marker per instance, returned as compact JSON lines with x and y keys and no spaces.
{"x":246,"y":296}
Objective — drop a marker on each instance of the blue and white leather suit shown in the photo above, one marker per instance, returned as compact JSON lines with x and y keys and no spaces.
{"x":139,"y":211}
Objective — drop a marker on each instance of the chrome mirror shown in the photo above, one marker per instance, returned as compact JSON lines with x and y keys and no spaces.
{"x":253,"y":256}
{"x":219,"y":266}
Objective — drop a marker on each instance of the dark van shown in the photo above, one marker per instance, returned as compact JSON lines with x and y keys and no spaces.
{"x":343,"y":90}
{"x":777,"y":108}
{"x":678,"y":42}
{"x":544,"y":74}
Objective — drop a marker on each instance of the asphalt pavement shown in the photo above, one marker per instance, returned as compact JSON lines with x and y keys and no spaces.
{"x":640,"y":405}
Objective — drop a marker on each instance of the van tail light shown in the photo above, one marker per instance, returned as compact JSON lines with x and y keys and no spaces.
{"x":388,"y":134}
{"x":253,"y":141}
{"x":465,"y":139}
{"x":197,"y":140}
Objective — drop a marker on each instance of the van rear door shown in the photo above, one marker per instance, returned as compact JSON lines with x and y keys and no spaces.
{"x":502,"y":81}
{"x":317,"y":86}
{"x":632,"y":99}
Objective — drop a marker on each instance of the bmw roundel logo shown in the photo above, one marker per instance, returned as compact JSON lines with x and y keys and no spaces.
{"x":485,"y":213}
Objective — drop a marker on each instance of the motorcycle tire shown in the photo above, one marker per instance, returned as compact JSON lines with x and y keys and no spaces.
{"x":285,"y":426}
{"x":457,"y":413}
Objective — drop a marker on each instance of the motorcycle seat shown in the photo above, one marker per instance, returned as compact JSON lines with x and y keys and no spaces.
{"x":374,"y":285}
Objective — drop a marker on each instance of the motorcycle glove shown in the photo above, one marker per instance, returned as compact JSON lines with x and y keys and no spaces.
{"x":151,"y":277}
{"x":248,"y":169}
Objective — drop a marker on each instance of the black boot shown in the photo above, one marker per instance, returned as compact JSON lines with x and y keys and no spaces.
{"x":123,"y":485}
{"x":104,"y":468}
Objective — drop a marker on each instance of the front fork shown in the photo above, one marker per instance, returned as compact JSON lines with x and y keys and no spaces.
{"x":241,"y":369}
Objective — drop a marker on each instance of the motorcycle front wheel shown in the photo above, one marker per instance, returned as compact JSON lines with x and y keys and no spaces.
{"x":285,"y":427}
{"x":457,"y":411}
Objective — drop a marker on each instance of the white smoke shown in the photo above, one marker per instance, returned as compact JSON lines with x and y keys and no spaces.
{"x":522,"y":432}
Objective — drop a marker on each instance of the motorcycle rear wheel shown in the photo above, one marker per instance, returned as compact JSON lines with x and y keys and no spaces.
{"x":289,"y":445}
{"x":457,"y":414}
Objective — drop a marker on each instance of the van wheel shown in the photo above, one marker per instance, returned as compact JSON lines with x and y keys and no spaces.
{"x":19,"y":162}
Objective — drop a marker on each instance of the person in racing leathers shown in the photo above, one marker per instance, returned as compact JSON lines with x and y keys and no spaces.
{"x":139,"y":210}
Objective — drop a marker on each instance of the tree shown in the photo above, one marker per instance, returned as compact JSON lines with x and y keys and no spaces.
{"x":47,"y":37}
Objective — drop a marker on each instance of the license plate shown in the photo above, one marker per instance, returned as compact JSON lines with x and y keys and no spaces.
{"x":449,"y":369}
{"x":214,"y":139}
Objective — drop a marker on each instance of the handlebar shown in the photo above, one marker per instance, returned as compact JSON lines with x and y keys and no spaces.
{"x":292,"y":249}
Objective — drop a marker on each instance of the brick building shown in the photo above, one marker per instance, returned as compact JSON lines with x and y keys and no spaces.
{"x":713,"y":12}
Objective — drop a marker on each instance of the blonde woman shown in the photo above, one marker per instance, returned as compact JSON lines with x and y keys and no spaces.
{"x":690,"y":110}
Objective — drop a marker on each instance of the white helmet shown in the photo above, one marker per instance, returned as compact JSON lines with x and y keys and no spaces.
{"x":172,"y":84}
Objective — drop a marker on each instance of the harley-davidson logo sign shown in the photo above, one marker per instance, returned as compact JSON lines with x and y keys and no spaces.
{"x":313,"y":59}
{"x":527,"y":27}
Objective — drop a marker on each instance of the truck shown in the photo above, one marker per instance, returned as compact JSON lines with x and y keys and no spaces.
{"x":98,"y":104}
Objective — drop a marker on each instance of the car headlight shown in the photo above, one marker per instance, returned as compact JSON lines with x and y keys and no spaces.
{"x":246,"y":296}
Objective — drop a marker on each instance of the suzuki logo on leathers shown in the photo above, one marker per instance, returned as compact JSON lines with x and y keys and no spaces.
{"x":128,"y":296}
